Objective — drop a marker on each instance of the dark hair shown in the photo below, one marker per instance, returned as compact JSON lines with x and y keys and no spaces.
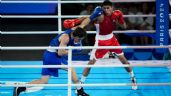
{"x":106,"y":3}
{"x":79,"y":32}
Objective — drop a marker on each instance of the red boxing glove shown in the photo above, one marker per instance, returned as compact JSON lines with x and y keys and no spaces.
{"x":117,"y":15}
{"x":69,"y":23}
{"x":77,"y":21}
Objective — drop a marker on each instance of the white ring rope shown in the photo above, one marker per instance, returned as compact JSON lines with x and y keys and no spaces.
{"x":82,"y":47}
{"x":65,"y":16}
{"x":58,"y":32}
{"x":69,"y":71}
{"x":100,"y":84}
{"x":82,"y":1}
{"x":83,"y":66}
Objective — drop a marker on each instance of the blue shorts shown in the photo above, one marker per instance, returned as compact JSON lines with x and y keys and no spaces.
{"x":51,"y":58}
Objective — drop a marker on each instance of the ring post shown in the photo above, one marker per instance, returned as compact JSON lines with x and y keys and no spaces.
{"x":162,"y":23}
{"x":69,"y":70}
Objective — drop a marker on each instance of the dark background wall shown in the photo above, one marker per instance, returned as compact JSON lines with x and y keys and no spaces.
{"x":31,"y":24}
{"x":26,"y":39}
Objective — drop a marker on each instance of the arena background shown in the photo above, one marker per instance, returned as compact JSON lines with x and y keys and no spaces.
{"x":51,"y":24}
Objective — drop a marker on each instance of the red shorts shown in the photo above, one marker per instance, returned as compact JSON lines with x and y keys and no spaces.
{"x":99,"y":53}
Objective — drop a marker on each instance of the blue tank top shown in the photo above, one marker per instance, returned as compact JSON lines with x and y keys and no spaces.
{"x":55,"y":42}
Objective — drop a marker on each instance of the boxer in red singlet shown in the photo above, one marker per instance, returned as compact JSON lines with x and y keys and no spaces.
{"x":106,"y":23}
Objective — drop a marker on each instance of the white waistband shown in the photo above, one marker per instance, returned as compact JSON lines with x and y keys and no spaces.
{"x":51,"y":50}
{"x":105,"y":37}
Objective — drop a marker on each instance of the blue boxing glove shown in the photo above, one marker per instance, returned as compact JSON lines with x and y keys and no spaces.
{"x":97,"y":12}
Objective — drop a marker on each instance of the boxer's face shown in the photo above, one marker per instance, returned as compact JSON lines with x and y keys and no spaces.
{"x":107,"y":10}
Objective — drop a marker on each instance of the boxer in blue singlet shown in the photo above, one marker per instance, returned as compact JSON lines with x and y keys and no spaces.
{"x":50,"y":57}
{"x":57,"y":57}
{"x":71,"y":37}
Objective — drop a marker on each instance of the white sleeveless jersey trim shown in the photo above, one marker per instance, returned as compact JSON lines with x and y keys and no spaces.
{"x":51,"y":50}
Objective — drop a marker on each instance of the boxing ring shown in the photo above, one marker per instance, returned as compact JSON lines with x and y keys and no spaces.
{"x":109,"y":75}
{"x":153,"y":76}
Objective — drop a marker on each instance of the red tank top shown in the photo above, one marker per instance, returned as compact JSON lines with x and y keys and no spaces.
{"x":107,"y":26}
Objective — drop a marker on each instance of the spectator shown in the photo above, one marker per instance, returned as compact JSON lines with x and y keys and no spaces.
{"x":87,"y":11}
{"x":140,"y":23}
{"x":147,"y":23}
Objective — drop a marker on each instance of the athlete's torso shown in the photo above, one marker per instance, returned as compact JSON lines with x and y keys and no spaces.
{"x":106,"y":26}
